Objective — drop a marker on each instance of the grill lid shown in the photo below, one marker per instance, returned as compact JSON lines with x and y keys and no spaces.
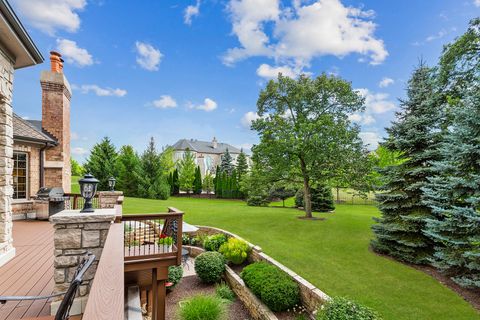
{"x":46,"y":193}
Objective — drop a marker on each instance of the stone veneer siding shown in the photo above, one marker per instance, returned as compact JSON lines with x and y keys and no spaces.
{"x":76,"y":234}
{"x":6,"y":162}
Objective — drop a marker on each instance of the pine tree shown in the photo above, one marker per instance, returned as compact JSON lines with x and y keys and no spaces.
{"x":242,"y":165}
{"x":128,"y":169}
{"x":399,"y":231}
{"x":101,"y":162}
{"x":454,"y":189}
{"x":197,"y":183}
{"x":186,"y":171}
{"x":153,"y":183}
{"x":227,"y":164}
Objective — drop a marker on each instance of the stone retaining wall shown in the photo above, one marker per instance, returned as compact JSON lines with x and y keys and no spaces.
{"x":76,"y":234}
{"x":312,"y":297}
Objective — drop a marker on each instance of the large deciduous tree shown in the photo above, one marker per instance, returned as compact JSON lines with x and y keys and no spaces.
{"x":414,"y":135}
{"x":101,"y":162}
{"x":305,"y":134}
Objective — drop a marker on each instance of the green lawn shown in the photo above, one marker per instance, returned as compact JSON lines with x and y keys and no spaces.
{"x":333,"y":254}
{"x":75,"y":185}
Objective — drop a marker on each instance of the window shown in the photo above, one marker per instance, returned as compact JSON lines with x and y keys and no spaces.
{"x":20,"y":175}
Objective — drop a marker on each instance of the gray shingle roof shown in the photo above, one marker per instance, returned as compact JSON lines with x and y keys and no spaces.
{"x":204,"y":146}
{"x":30,"y":130}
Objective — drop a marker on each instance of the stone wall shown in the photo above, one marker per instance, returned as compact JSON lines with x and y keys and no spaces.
{"x":76,"y":234}
{"x":312,"y":297}
{"x":108,"y":199}
{"x":6,"y":158}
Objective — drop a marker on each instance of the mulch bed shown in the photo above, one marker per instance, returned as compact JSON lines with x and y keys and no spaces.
{"x":191,"y":286}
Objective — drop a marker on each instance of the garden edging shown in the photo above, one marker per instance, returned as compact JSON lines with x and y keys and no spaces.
{"x":311,"y":297}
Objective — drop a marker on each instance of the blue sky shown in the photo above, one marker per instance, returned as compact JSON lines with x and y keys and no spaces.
{"x":193,"y":69}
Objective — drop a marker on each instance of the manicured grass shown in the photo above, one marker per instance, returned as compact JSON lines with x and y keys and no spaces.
{"x":75,"y":185}
{"x":333,"y":254}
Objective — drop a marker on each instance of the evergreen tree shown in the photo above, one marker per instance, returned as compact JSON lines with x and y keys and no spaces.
{"x":175,"y":182}
{"x":128,"y":171}
{"x":101,"y":162}
{"x":197,"y":183}
{"x":208,"y":184}
{"x":153,"y":183}
{"x":186,"y":171}
{"x":399,"y":231}
{"x":454,"y":189}
{"x":216,"y":180}
{"x":227,"y":164}
{"x":242,"y":165}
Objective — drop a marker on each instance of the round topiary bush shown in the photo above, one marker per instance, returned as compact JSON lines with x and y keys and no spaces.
{"x":341,"y":308}
{"x":175,"y":274}
{"x":210,"y":266}
{"x":273,"y":286}
{"x":214,"y":242}
{"x":203,"y":307}
{"x":235,"y":250}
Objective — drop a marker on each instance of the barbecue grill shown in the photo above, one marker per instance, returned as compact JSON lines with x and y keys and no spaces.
{"x":54,"y":197}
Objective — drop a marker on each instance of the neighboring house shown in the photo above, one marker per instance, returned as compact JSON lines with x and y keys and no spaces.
{"x":17,"y":50}
{"x":41,"y":148}
{"x":207,"y":154}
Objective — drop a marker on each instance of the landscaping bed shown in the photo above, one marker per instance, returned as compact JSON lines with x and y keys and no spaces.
{"x":191,"y":286}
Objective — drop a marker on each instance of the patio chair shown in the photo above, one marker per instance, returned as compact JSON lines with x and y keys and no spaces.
{"x":64,"y":308}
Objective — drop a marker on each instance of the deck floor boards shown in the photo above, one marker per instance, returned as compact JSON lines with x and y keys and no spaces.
{"x":30,"y":272}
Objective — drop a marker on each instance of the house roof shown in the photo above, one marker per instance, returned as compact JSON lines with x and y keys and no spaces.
{"x":30,"y":130}
{"x":204,"y":146}
{"x":16,"y":39}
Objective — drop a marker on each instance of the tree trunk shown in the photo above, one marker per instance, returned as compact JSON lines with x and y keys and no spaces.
{"x":307,"y":196}
{"x":338,"y":194}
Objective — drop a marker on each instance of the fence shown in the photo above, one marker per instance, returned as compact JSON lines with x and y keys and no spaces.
{"x":350,"y":196}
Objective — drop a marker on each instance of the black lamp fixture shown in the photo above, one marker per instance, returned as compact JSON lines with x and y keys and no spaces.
{"x":88,"y":188}
{"x":111,"y":183}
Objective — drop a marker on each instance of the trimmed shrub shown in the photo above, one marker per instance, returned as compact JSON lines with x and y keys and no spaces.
{"x":273,"y":286}
{"x":210,"y":266}
{"x":340,"y":308}
{"x":235,"y":250}
{"x":203,"y":307}
{"x":213,"y":243}
{"x":322,"y":199}
{"x":258,"y":200}
{"x":223,"y":291}
{"x":175,"y":274}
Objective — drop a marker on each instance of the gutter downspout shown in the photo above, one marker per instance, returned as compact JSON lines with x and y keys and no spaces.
{"x":42,"y":169}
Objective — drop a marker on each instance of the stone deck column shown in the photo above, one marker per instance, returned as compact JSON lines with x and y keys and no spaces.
{"x":7,"y":251}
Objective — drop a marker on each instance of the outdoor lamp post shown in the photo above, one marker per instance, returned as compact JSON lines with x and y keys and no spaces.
{"x":88,"y":187}
{"x":111,"y":183}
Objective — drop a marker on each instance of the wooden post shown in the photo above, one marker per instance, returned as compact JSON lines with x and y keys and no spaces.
{"x":155,"y":295}
{"x":161,"y":296}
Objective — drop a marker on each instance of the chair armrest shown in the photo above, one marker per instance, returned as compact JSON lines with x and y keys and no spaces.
{"x":4,"y":299}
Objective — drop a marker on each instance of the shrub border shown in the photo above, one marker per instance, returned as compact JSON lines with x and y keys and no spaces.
{"x":311,"y":297}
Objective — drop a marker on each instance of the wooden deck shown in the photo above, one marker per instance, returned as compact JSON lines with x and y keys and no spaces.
{"x":30,"y":272}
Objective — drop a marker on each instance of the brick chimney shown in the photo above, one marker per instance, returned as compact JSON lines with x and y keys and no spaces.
{"x":214,"y":143}
{"x":56,"y":95}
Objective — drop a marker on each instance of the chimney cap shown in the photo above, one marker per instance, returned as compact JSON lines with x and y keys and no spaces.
{"x":55,"y":53}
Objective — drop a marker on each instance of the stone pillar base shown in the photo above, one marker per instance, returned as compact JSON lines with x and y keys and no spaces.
{"x":7,"y":256}
{"x":78,"y":306}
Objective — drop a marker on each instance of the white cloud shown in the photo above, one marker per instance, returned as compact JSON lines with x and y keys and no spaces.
{"x":370,"y":139}
{"x":79,"y":151}
{"x":190,"y":12}
{"x":476,"y":3}
{"x":302,"y":32}
{"x":102,"y":92}
{"x":165,"y":102}
{"x":376,"y":102}
{"x":148,"y":57}
{"x":385,"y":82}
{"x":74,"y":136}
{"x":248,"y":118}
{"x":439,"y":35}
{"x":268,"y":72}
{"x":51,"y":15}
{"x":73,"y":53}
{"x":364,"y":119}
{"x":208,"y":105}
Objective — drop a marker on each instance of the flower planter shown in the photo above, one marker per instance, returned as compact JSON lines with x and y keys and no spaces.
{"x":165,"y":248}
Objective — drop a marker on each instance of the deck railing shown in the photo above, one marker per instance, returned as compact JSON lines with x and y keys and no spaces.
{"x":153,"y":236}
{"x":75,"y":201}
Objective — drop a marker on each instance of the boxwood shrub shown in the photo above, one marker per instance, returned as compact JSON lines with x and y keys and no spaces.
{"x":175,"y":274}
{"x":271,"y":285}
{"x":210,"y":266}
{"x":341,"y":308}
{"x":214,"y":242}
